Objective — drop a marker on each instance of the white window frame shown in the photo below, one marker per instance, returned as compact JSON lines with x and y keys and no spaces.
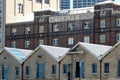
{"x":86,"y":25}
{"x":14,"y":30}
{"x":70,"y":41}
{"x":118,"y":37}
{"x":20,"y":8}
{"x":55,"y":28}
{"x":55,"y":42}
{"x":117,"y":22}
{"x":41,"y":42}
{"x":70,"y":27}
{"x":41,"y":18}
{"x":102,"y":38}
{"x":13,"y":44}
{"x":41,"y":29}
{"x":27,"y":44}
{"x":27,"y":30}
{"x":87,"y":39}
{"x":102,"y":23}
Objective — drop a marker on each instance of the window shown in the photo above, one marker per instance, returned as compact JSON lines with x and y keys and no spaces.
{"x":28,"y":70}
{"x":13,"y":44}
{"x":0,"y":22}
{"x":41,"y":42}
{"x":41,"y":18}
{"x":53,"y":69}
{"x":27,"y":44}
{"x":102,"y":12}
{"x":102,"y":38}
{"x":118,"y":22}
{"x":1,"y":6}
{"x":39,"y":1}
{"x":65,"y":69}
{"x":86,"y":25}
{"x":27,"y":30}
{"x":20,"y":8}
{"x":94,"y":68}
{"x":46,"y":1}
{"x":17,"y":72}
{"x":41,"y":29}
{"x":119,"y":68}
{"x":102,"y":23}
{"x":40,"y":70}
{"x":14,"y":31}
{"x":55,"y":42}
{"x":70,"y":41}
{"x":55,"y":28}
{"x":70,"y":27}
{"x":118,"y":37}
{"x":106,"y":68}
{"x":86,"y":39}
{"x":5,"y":72}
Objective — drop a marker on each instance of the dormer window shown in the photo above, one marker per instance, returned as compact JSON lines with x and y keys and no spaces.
{"x":102,"y":12}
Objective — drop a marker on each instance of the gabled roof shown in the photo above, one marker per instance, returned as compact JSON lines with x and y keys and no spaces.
{"x":107,"y":2}
{"x":18,"y":54}
{"x":117,"y":44}
{"x":56,"y":53}
{"x":95,"y":49}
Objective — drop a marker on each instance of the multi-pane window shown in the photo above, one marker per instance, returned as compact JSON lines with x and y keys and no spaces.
{"x":41,"y":42}
{"x":70,"y":27}
{"x":118,"y":37}
{"x":17,"y":71}
{"x":41,"y":29}
{"x":117,"y":22}
{"x":55,"y":42}
{"x":1,"y":6}
{"x":102,"y":23}
{"x":20,"y":8}
{"x":102,"y":38}
{"x":65,"y":69}
{"x":70,"y":41}
{"x":86,"y":39}
{"x":86,"y":25}
{"x":27,"y":44}
{"x":41,"y":18}
{"x":94,"y":68}
{"x":28,"y":70}
{"x":55,"y":28}
{"x":106,"y":68}
{"x":46,"y":1}
{"x":27,"y":30}
{"x":53,"y":69}
{"x":118,"y":68}
{"x":13,"y":44}
{"x":102,"y":12}
{"x":14,"y":31}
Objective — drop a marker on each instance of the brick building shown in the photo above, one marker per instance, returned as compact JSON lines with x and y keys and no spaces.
{"x":98,"y":24}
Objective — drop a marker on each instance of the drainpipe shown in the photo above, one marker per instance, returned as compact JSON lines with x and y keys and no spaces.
{"x":22,"y":69}
{"x":100,"y":69}
{"x":59,"y":63}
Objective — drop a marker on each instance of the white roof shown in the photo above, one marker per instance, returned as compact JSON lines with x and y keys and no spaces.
{"x":26,"y":18}
{"x":56,"y":52}
{"x":96,"y":49}
{"x":19,"y":54}
{"x":108,"y":1}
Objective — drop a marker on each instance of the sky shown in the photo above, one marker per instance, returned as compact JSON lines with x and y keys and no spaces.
{"x":117,"y":1}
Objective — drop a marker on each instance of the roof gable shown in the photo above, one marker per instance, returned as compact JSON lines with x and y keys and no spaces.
{"x":95,"y":49}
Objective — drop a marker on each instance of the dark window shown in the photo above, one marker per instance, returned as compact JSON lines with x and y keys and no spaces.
{"x":119,"y":68}
{"x":46,"y":1}
{"x":65,"y":69}
{"x":106,"y":68}
{"x":77,"y":69}
{"x":17,"y":71}
{"x":53,"y":69}
{"x":27,"y":70}
{"x":94,"y":68}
